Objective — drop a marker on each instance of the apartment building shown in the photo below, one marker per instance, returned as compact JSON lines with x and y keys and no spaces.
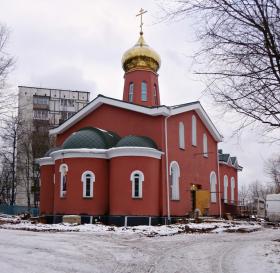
{"x":40,"y":109}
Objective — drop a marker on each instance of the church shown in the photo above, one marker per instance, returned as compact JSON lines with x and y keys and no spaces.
{"x":137,"y":161}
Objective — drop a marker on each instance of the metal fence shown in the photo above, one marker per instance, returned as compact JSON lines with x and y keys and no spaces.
{"x":15,"y":210}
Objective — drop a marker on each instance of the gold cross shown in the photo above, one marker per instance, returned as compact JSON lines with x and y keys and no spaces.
{"x":141,"y":12}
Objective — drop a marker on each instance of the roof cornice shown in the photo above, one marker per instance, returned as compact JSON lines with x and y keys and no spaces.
{"x":151,"y":111}
{"x":100,"y":153}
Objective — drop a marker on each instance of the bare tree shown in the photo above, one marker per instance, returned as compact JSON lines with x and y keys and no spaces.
{"x":9,"y":135}
{"x":5,"y":181}
{"x":6,"y":64}
{"x":272,"y":169}
{"x":34,"y":143}
{"x":241,"y":49}
{"x":243,"y":194}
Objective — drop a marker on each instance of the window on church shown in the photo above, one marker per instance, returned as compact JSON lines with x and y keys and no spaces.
{"x":205,"y":146}
{"x":63,"y":169}
{"x":137,"y":178}
{"x":144,"y":91}
{"x":194,"y":142}
{"x":213,"y":187}
{"x":130,"y":92}
{"x":181,"y":135}
{"x":225,"y":188}
{"x":155,"y":94}
{"x":232,"y":184}
{"x":174,"y":180}
{"x":88,"y":178}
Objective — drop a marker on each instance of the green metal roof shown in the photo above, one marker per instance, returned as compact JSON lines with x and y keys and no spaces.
{"x":233,"y":159}
{"x":90,"y":137}
{"x":223,"y":157}
{"x":136,"y":141}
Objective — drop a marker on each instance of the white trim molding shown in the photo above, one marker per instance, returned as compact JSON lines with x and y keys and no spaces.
{"x":205,"y":145}
{"x":134,"y":151}
{"x":174,"y":170}
{"x":84,"y":181}
{"x":181,"y":135}
{"x":100,"y":153}
{"x":77,"y":153}
{"x":225,"y":188}
{"x":140,"y":184}
{"x":155,"y":111}
{"x":213,"y":187}
{"x":232,"y":189}
{"x":45,"y":161}
{"x":63,"y":169}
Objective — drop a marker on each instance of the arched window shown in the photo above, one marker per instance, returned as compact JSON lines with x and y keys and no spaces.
{"x":63,"y":169}
{"x":137,"y":178}
{"x":131,"y":91}
{"x":155,"y":94}
{"x":225,"y":189}
{"x":232,"y":188}
{"x":194,"y":143}
{"x":174,"y":180}
{"x":213,"y":186}
{"x":205,"y":146}
{"x":88,"y":178}
{"x":181,"y":135}
{"x":144,"y":91}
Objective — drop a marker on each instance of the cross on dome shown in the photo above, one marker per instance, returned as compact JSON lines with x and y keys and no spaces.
{"x":141,"y":12}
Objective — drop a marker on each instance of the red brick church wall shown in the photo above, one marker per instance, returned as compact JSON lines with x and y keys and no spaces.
{"x":74,"y":202}
{"x":120,"y":121}
{"x":121,"y":201}
{"x":230,"y":172}
{"x":194,"y":167}
{"x":46,"y":189}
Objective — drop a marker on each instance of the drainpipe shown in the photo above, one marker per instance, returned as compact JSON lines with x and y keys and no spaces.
{"x":219,"y":182}
{"x":167,"y":169}
{"x":54,"y":196}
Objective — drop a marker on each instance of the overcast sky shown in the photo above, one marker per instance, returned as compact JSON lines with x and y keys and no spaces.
{"x":78,"y":45}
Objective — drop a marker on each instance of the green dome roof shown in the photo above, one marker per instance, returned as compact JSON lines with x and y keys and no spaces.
{"x":91,"y":138}
{"x":136,"y":141}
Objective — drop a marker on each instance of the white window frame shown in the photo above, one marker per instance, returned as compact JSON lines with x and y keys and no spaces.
{"x":213,"y":187}
{"x":141,"y":180}
{"x":174,"y":172}
{"x":84,"y":181}
{"x":194,"y":137}
{"x":232,"y":188}
{"x":225,"y":189}
{"x":131,"y":92}
{"x":144,"y":91}
{"x":205,"y":145}
{"x":63,"y":169}
{"x":181,"y":135}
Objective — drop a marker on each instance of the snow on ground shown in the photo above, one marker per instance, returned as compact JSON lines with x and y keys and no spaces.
{"x":215,"y":227}
{"x":113,"y":252}
{"x":216,"y":246}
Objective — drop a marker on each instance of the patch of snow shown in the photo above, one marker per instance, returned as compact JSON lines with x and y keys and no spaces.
{"x":214,"y":227}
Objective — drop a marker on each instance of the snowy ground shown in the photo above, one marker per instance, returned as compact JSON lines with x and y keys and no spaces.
{"x":216,"y":226}
{"x":94,"y":248}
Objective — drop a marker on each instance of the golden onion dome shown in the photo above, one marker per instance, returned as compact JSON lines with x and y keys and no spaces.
{"x":141,"y":56}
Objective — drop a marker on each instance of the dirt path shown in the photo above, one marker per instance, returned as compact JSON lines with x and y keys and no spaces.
{"x":39,"y":252}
